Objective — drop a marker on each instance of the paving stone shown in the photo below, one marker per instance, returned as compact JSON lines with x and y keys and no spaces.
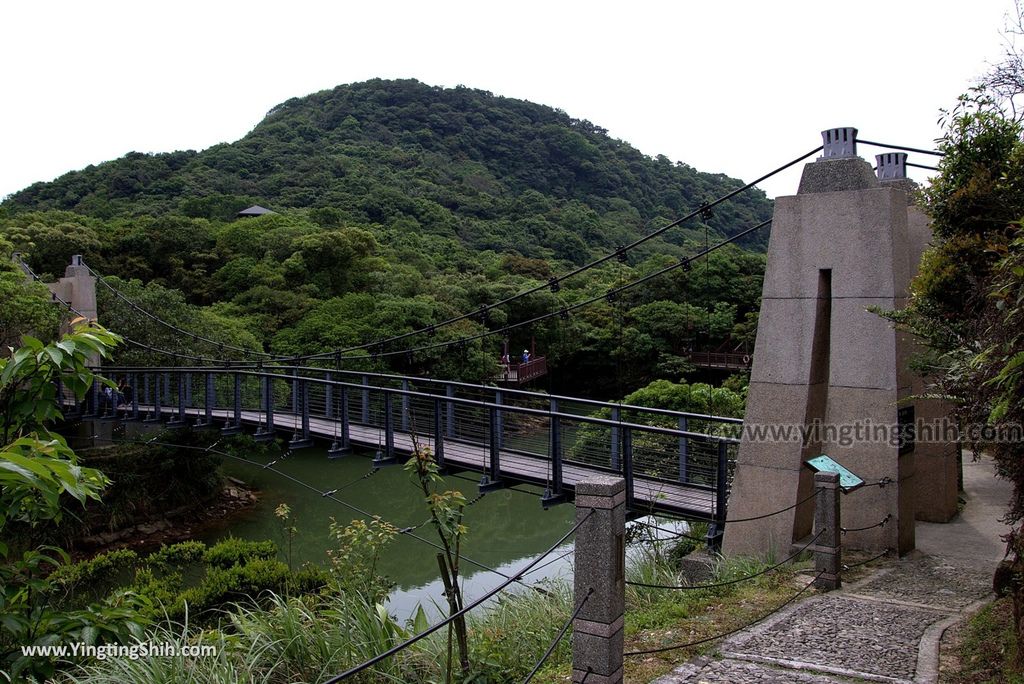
{"x":731,"y":671}
{"x":836,"y":631}
{"x":931,"y":581}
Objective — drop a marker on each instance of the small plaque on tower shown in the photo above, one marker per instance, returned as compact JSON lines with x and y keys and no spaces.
{"x":847,"y":480}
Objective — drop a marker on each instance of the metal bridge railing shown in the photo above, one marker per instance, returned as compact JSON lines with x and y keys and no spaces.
{"x":672,"y":461}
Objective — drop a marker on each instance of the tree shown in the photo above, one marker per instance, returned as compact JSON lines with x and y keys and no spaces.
{"x":37,"y":470}
{"x":27,"y":306}
{"x":967,"y":300}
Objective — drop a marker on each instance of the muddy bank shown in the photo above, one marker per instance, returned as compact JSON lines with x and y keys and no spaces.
{"x":173,"y":526}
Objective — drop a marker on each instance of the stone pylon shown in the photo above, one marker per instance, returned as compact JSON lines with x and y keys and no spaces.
{"x":847,"y":242}
{"x":77,"y":288}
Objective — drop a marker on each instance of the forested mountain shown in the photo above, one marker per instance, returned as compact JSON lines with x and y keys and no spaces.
{"x":400,"y":204}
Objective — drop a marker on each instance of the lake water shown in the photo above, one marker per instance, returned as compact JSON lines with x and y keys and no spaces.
{"x":507,"y":528}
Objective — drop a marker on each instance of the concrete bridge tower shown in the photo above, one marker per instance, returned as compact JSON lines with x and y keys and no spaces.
{"x":848,"y":240}
{"x":77,"y":288}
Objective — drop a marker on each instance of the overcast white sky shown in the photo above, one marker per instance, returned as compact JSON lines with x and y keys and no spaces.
{"x":737,"y":86}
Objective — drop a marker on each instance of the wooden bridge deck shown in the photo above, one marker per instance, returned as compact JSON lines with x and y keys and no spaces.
{"x":649,"y":494}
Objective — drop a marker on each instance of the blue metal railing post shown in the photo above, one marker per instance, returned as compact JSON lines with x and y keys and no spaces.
{"x":154,"y":392}
{"x":627,"y":464}
{"x":405,"y":406}
{"x":449,"y":428}
{"x":266,"y":433}
{"x":133,"y":380}
{"x":329,"y":395}
{"x":438,"y":433}
{"x":388,"y":457}
{"x":717,"y":529}
{"x":365,"y":415}
{"x":180,"y":420}
{"x":616,"y":416}
{"x":498,"y":434}
{"x":300,"y":395}
{"x":492,"y":476}
{"x":683,"y":449}
{"x":341,"y":445}
{"x":233,"y":425}
{"x":209,"y":399}
{"x":554,"y":494}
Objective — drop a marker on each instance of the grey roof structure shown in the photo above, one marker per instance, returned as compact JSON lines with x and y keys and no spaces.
{"x":254,"y":210}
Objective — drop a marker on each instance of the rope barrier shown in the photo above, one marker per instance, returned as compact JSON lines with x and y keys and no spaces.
{"x":881,"y":523}
{"x":879,"y":483}
{"x":552,"y":562}
{"x":665,"y":649}
{"x":733,"y":581}
{"x":781,"y":510}
{"x":851,"y":566}
{"x":673,"y":533}
{"x":558,"y":638}
{"x":458,"y":614}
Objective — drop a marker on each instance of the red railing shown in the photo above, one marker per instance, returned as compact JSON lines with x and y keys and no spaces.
{"x":519,"y":373}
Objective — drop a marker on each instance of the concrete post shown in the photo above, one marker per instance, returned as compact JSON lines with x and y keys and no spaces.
{"x":827,"y":548}
{"x":600,"y":579}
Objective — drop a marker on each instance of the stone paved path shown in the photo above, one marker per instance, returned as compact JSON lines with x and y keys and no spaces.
{"x":887,"y":626}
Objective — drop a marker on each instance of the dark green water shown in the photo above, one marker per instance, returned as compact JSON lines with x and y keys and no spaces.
{"x":507,"y":528}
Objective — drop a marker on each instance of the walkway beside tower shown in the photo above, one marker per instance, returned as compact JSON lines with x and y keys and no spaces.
{"x":885,"y":627}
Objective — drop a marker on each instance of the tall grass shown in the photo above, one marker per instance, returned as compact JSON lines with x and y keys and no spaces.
{"x":296,"y":639}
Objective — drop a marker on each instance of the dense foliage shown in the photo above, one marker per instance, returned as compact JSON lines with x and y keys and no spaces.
{"x":400,"y":205}
{"x":968,"y":298}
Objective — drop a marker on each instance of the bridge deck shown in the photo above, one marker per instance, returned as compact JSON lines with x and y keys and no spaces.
{"x":649,"y":494}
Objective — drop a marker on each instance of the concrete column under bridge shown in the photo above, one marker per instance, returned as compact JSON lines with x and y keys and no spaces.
{"x":845,"y":242}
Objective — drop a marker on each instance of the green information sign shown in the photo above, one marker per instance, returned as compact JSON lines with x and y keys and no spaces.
{"x":847,"y":480}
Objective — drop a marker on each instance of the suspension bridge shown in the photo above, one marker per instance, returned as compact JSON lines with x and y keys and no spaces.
{"x":620,"y":461}
{"x":676,"y":463}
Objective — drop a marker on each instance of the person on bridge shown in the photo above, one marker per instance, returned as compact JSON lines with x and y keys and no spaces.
{"x":526,"y":356}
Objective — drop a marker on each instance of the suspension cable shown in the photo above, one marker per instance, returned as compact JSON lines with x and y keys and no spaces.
{"x":781,"y":510}
{"x":153,"y":317}
{"x":609,"y":295}
{"x":901,"y":147}
{"x":597,"y":262}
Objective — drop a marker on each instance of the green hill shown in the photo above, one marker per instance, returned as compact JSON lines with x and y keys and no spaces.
{"x":399,"y":205}
{"x":444,"y":161}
